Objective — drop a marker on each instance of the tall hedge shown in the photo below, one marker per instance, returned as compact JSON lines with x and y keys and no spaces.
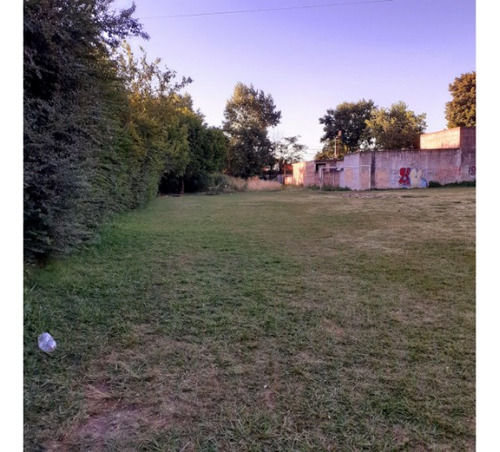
{"x":72,"y":128}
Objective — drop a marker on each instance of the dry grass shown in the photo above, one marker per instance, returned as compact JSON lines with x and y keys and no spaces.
{"x":225,"y":183}
{"x":235,"y":183}
{"x":256,"y":184}
{"x":291,"y":320}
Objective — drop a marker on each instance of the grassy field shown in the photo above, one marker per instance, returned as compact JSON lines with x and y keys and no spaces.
{"x":274,"y":321}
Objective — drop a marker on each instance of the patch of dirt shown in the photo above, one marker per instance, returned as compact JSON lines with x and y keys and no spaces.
{"x":268,"y":396}
{"x":134,"y":394}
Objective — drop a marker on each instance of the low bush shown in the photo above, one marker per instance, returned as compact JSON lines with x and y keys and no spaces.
{"x":471,"y":183}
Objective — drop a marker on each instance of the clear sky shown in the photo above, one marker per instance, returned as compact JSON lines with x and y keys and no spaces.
{"x":313,"y":58}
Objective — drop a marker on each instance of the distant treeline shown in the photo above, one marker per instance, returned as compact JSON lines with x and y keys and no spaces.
{"x":103,"y":129}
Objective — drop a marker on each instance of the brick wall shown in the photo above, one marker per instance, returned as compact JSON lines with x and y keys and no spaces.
{"x":446,"y":139}
{"x":458,"y":137}
{"x":468,"y":138}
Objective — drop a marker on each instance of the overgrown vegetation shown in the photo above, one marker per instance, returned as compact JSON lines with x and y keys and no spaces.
{"x":291,"y":320}
{"x":102,"y":128}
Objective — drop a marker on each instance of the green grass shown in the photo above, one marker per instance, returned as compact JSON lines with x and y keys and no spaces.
{"x":270,"y":321}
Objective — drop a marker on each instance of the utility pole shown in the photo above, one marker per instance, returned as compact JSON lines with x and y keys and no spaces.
{"x":339,"y":135}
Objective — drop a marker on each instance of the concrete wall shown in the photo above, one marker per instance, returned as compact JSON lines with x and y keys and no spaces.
{"x":308,"y":174}
{"x":399,"y":169}
{"x":408,"y":169}
{"x":356,"y":171}
{"x":415,"y":169}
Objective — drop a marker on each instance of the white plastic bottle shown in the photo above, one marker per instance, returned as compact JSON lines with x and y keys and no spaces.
{"x":46,"y":343}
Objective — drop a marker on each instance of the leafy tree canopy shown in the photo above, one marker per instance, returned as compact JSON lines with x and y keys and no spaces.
{"x":159,"y":142}
{"x":176,"y":148}
{"x":396,"y":127}
{"x":461,"y":110}
{"x":288,"y":150}
{"x":249,"y":113}
{"x":207,"y":155}
{"x":345,"y":127}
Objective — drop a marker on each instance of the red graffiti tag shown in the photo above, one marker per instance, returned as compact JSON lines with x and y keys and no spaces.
{"x":404,"y":180}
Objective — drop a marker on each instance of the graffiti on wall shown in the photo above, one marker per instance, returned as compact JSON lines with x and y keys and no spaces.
{"x":408,"y":177}
{"x":418,"y":179}
{"x":404,"y":179}
{"x":472,"y":171}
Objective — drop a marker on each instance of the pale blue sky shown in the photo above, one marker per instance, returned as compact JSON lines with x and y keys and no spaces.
{"x":312,"y":59}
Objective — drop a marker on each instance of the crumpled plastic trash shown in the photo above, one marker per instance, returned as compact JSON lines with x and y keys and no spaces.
{"x":46,"y":342}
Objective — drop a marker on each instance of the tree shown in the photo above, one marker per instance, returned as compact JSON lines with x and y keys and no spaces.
{"x":461,"y":110}
{"x":345,"y":127}
{"x":287,"y":151}
{"x":396,"y":127}
{"x":207,"y":154}
{"x":249,"y":113}
{"x":158,"y":134}
{"x":208,"y":148}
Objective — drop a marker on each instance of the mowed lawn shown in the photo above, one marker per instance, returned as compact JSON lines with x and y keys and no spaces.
{"x":295,"y":320}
